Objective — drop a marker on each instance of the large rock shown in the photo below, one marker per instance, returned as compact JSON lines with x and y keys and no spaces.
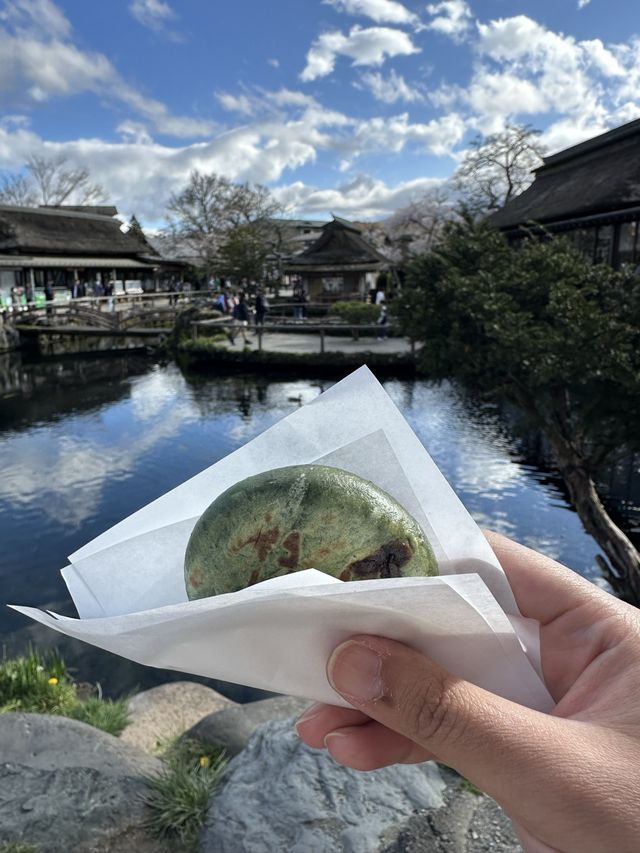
{"x":280,"y":795}
{"x":232,"y":727}
{"x":66,"y":787}
{"x":159,"y":715}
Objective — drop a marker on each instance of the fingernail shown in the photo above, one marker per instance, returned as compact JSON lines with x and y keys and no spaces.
{"x":310,"y":713}
{"x":354,"y":670}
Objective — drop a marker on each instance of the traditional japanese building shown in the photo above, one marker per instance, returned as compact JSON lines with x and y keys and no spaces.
{"x":591,"y":193}
{"x":66,"y":245}
{"x":340,"y":264}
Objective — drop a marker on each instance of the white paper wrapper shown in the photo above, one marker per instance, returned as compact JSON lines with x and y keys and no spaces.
{"x":128,"y":583}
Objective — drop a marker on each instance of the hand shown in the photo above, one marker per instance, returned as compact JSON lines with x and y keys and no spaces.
{"x":570,"y":780}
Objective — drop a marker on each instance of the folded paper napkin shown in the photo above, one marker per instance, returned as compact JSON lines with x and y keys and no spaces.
{"x":128,"y":583}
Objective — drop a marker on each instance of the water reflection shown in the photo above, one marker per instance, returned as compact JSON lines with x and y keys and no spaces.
{"x":85,"y":443}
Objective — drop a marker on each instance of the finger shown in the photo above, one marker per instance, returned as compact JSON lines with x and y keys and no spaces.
{"x":543,"y":588}
{"x":316,"y":723}
{"x":371,"y":746}
{"x":486,"y":738}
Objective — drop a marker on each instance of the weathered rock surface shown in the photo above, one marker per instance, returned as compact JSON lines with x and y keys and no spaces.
{"x":66,"y":787}
{"x":280,"y":795}
{"x":165,"y":712}
{"x":232,"y":727}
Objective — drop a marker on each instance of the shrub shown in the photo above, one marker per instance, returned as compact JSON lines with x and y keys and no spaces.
{"x":356,"y":313}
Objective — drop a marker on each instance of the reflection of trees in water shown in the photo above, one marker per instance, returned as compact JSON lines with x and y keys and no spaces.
{"x":44,"y":390}
{"x":618,"y":481}
{"x":214,"y":395}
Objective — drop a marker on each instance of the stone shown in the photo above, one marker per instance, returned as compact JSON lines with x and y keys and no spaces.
{"x":66,"y":787}
{"x":232,"y":727}
{"x":279,"y":794}
{"x":163,"y":713}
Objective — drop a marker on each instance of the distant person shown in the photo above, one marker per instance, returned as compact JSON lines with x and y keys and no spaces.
{"x":261,"y":308}
{"x":241,"y":318}
{"x":29,"y":293}
{"x":380,"y":297}
{"x":49,"y":295}
{"x":382,"y":322}
{"x":300,"y":300}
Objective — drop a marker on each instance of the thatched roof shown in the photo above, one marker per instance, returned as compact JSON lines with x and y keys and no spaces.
{"x":54,"y":231}
{"x":597,"y":177}
{"x":98,"y":209}
{"x":341,"y":245}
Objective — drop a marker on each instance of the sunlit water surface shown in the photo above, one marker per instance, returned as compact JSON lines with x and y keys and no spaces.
{"x":84,"y":444}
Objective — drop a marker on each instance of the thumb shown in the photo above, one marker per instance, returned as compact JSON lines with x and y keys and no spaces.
{"x":491,"y":741}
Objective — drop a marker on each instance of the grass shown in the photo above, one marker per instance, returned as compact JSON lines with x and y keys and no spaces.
{"x":17,"y":847}
{"x":40,"y":683}
{"x":178,"y":798}
{"x":104,"y":714}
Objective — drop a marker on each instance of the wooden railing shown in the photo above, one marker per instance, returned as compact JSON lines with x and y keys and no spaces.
{"x":233,"y":328}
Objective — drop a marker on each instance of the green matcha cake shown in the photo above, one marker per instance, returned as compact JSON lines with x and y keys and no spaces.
{"x":303,"y":517}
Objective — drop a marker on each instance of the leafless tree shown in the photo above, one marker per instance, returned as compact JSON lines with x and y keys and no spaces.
{"x":415,"y":228}
{"x":51,"y":181}
{"x":205,"y":214}
{"x":18,"y":190}
{"x":57,"y":181}
{"x":498,"y":167}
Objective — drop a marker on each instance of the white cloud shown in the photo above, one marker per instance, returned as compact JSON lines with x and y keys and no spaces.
{"x":553,"y":62}
{"x":393,"y":134}
{"x":391,"y":89}
{"x":380,"y":11}
{"x":42,"y":15}
{"x":39,"y":61}
{"x":583,"y":3}
{"x":154,"y":14}
{"x":450,"y":17}
{"x":365,"y":46}
{"x":503,"y":96}
{"x":602,"y":58}
{"x":363,"y":198}
{"x":273,"y":62}
{"x":235,"y":103}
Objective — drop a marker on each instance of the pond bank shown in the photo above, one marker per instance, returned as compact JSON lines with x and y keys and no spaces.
{"x":300,"y":356}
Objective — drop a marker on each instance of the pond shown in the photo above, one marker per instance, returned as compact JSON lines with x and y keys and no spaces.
{"x":86,"y":442}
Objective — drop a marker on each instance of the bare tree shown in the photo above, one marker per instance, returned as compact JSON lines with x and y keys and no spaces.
{"x":414,"y":229}
{"x":58,"y":182}
{"x":205,"y":215}
{"x":18,"y":190}
{"x":498,"y":167}
{"x":51,"y":181}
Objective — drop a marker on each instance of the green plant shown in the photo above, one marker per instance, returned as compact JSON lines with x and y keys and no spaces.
{"x":36,"y":683}
{"x":356,"y":313}
{"x":105,"y":714}
{"x":17,"y":847}
{"x":178,"y":797}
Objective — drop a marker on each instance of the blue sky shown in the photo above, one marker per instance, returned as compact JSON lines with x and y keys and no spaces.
{"x":351,"y":106}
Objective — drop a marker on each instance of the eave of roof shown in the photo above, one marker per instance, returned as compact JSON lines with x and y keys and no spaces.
{"x":62,"y":262}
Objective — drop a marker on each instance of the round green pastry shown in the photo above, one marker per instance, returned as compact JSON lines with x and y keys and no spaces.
{"x":303,"y":517}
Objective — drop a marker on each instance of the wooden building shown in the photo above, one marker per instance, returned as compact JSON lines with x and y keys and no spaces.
{"x":340,"y":264}
{"x":591,"y":193}
{"x":64,"y":246}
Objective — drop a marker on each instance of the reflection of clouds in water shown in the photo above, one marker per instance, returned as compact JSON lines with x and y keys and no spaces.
{"x":480,"y":459}
{"x":155,"y":392}
{"x":65,"y":475}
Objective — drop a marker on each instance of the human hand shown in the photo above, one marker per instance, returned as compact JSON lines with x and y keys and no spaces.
{"x":570,"y":780}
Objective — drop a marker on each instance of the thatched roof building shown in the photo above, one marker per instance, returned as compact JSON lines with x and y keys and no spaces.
{"x":340,"y":264}
{"x":591,"y":192}
{"x":64,"y":245}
